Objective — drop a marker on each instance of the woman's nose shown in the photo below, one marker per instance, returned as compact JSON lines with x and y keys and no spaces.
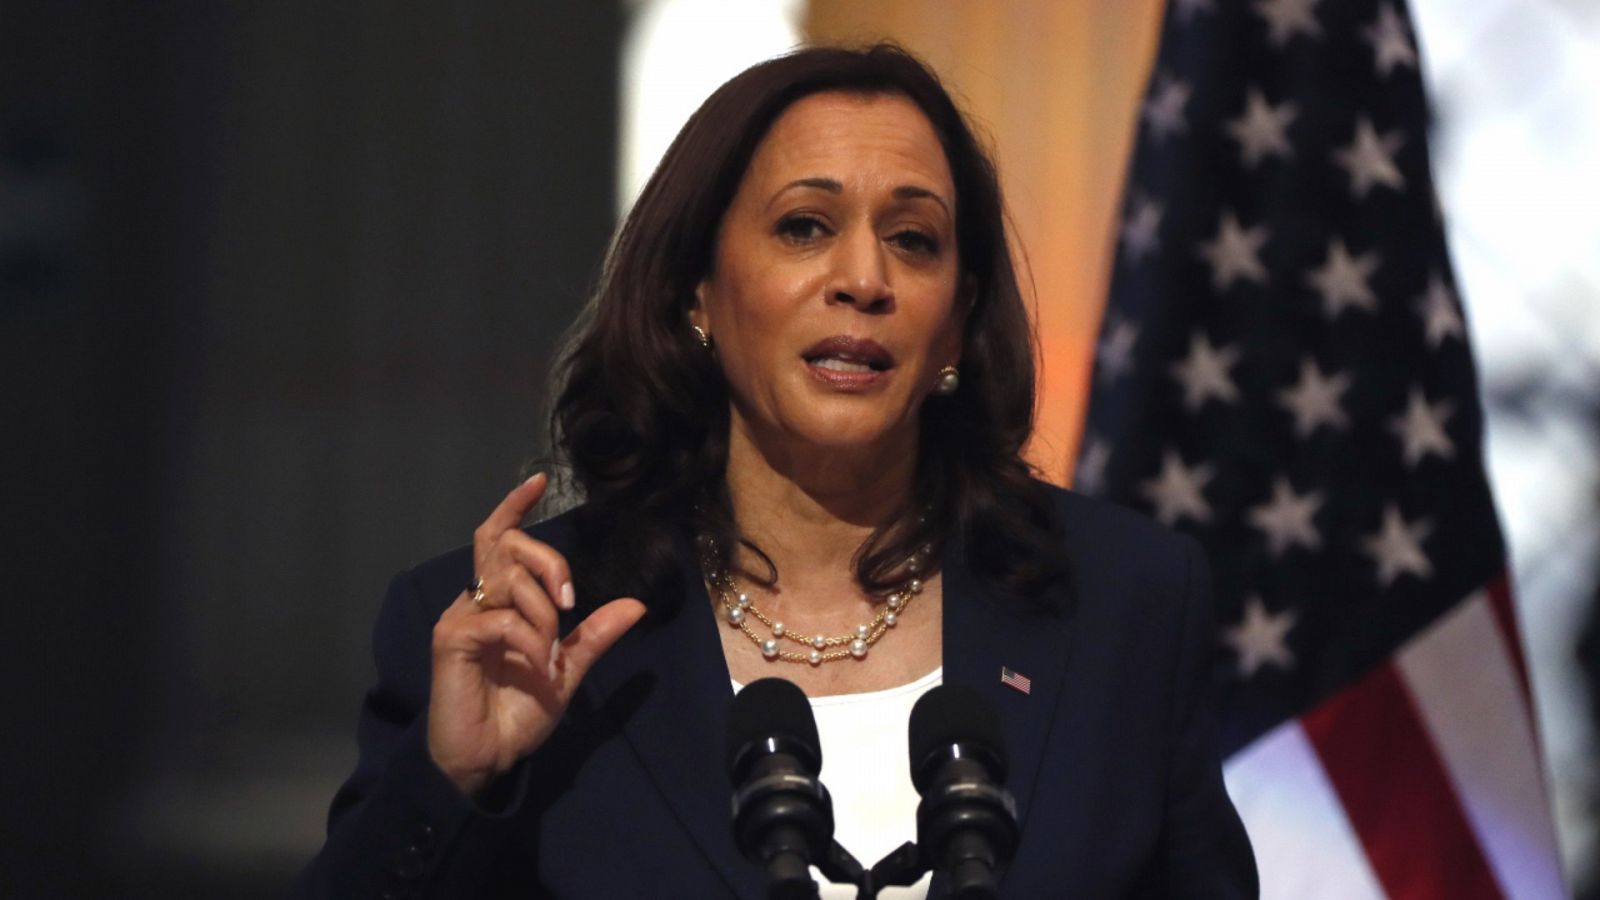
{"x":860,"y":277}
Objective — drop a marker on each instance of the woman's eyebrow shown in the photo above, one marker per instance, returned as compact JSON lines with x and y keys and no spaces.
{"x":833,"y":186}
{"x":913,"y":192}
{"x":830,"y":185}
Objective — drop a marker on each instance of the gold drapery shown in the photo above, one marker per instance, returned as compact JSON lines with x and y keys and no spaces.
{"x":1056,"y":87}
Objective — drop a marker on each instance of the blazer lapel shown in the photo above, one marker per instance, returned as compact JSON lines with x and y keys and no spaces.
{"x":672,"y":672}
{"x":982,"y":636}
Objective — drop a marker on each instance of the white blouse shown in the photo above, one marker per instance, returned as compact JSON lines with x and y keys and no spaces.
{"x":866,"y":768}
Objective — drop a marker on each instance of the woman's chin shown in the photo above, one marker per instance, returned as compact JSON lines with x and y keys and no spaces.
{"x":805,"y":428}
{"x":852,"y":438}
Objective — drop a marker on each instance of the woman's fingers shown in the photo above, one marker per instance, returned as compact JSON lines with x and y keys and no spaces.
{"x":530,"y":599}
{"x":595,"y":635}
{"x":470,"y":637}
{"x":530,"y":576}
{"x":507,"y":516}
{"x":541,"y":560}
{"x":500,"y":546}
{"x":500,"y":683}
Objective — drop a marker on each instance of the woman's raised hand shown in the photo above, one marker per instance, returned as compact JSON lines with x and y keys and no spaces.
{"x":502,"y":677}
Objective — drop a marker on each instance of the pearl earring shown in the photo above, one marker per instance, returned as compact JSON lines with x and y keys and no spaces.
{"x":949,"y":379}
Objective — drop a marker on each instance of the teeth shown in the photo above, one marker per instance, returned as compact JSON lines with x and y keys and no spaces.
{"x":839,"y":365}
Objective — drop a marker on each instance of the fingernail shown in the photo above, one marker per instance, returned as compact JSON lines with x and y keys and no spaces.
{"x":555,"y":656}
{"x":532,"y":477}
{"x":569,"y":597}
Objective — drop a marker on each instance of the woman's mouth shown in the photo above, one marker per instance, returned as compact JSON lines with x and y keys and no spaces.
{"x":842,"y":350}
{"x":833,"y":363}
{"x":848,"y":363}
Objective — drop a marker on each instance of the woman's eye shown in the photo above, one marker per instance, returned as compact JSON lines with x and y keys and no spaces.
{"x":800,"y":228}
{"x":915,"y":242}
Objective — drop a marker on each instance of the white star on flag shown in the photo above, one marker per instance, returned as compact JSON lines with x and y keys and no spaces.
{"x":1370,"y":159}
{"x":1115,"y":351}
{"x":1259,"y":638}
{"x":1204,"y":373}
{"x":1140,"y":229}
{"x":1092,"y":466}
{"x":1314,"y":400}
{"x":1441,"y":318}
{"x":1421,"y":428}
{"x":1342,"y":280}
{"x":1262,"y":130}
{"x":1391,"y":46}
{"x":1286,"y":518}
{"x":1163,"y":112}
{"x":1397,"y":547}
{"x":1286,"y":18}
{"x":1234,"y":253}
{"x":1176,"y":492}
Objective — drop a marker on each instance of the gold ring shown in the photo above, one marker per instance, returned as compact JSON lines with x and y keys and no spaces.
{"x":476,"y":587}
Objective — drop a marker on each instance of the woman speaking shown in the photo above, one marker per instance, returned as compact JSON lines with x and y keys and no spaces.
{"x":794,"y":409}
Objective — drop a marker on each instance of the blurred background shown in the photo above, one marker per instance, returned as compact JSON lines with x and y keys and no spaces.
{"x":279,"y":284}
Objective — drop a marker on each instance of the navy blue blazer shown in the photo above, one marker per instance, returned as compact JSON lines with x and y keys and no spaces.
{"x":1114,"y":762}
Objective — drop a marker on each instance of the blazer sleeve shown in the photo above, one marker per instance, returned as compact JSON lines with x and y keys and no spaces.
{"x":1205,"y":848}
{"x":398,"y":827}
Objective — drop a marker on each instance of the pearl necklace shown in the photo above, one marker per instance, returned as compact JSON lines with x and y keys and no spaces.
{"x":738,"y":609}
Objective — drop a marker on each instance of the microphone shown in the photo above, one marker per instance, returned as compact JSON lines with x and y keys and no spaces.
{"x":782,"y":815}
{"x":967,"y":821}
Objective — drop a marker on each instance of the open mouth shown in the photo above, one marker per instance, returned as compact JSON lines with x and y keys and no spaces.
{"x":837,"y":364}
{"x":842,"y":353}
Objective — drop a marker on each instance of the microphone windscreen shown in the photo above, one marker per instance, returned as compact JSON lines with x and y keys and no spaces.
{"x":773,"y":709}
{"x":952,"y":714}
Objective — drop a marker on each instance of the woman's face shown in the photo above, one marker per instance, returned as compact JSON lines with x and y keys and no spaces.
{"x":832,"y":299}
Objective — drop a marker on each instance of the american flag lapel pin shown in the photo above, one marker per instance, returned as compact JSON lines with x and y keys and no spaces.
{"x":1015,"y":680}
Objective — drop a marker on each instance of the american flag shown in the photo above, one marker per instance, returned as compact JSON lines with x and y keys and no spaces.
{"x":1014,"y":679}
{"x":1283,"y":372}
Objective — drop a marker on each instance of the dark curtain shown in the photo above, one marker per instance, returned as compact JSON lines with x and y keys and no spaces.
{"x":280,"y":285}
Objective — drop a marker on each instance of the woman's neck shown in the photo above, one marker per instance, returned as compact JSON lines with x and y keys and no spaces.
{"x":810,"y":511}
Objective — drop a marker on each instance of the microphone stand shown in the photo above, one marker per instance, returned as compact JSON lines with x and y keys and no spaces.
{"x":901,"y":868}
{"x":839,"y":867}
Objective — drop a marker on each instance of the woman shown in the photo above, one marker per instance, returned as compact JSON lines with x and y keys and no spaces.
{"x":795,"y":409}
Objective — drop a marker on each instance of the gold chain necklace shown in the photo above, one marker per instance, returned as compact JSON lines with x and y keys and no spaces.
{"x":738,"y":609}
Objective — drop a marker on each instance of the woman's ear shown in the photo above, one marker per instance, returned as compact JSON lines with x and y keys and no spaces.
{"x":697,"y":309}
{"x":699,"y":321}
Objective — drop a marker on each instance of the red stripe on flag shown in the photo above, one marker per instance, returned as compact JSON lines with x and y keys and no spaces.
{"x":1392,"y":784}
{"x":1505,"y":616}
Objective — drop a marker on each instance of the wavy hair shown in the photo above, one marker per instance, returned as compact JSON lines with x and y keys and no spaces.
{"x":641,"y":415}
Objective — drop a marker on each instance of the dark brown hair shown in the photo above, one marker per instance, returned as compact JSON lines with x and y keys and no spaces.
{"x":641,"y":417}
